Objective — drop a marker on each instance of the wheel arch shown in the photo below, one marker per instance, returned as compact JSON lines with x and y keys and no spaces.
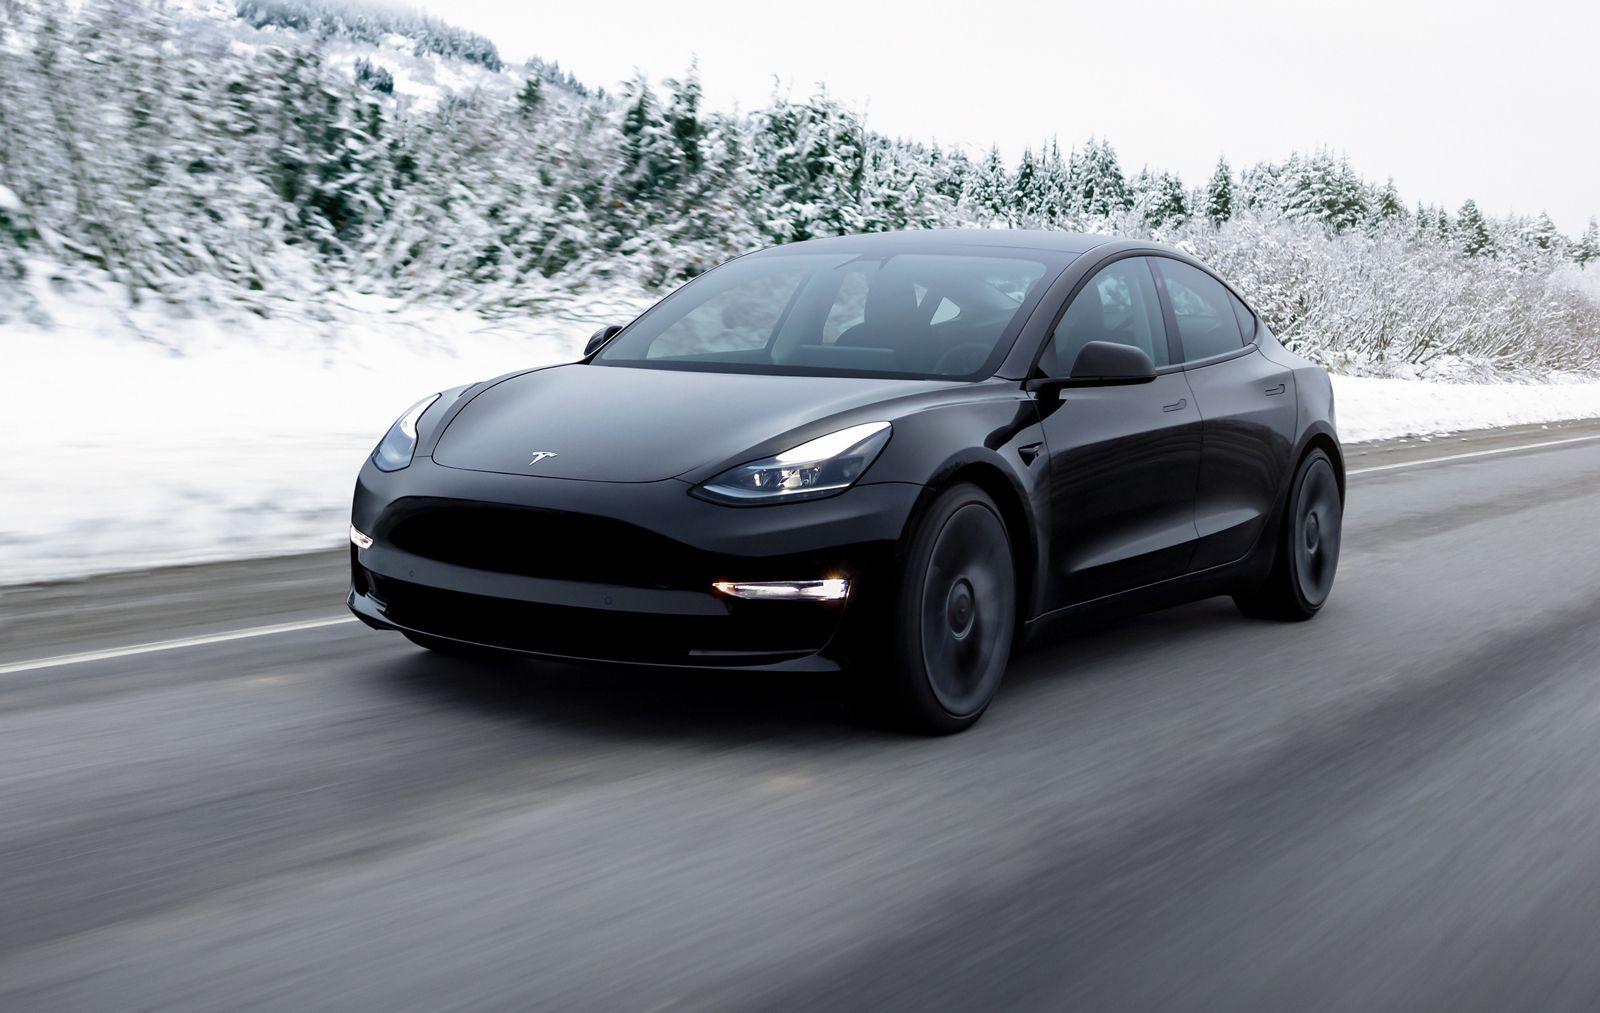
{"x":1015,"y":513}
{"x":1324,"y":441}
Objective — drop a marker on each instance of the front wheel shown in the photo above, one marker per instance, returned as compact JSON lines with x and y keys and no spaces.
{"x":1307,"y":553}
{"x":954,"y":617}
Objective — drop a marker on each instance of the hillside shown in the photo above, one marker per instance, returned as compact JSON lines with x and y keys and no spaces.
{"x":265,"y":158}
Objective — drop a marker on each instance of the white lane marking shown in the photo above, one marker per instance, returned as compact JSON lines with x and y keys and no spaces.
{"x":1475,"y":453}
{"x":170,"y":645}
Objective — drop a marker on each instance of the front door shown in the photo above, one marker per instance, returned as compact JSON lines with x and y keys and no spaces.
{"x":1124,"y":460}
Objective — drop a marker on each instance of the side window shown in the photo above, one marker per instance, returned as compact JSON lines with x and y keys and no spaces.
{"x":1247,"y":320}
{"x":849,"y":307}
{"x":1119,"y":304}
{"x":1207,"y":324}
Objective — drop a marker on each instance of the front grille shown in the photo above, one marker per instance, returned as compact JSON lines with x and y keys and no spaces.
{"x":753,"y":632}
{"x":545,"y":543}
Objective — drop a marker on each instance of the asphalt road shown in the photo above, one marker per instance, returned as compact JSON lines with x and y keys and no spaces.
{"x":1396,"y":806}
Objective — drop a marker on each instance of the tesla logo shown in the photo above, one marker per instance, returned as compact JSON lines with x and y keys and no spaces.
{"x":539,"y":455}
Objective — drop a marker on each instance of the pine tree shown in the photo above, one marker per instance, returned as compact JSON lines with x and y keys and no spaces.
{"x":1055,"y":198}
{"x":1096,"y":182}
{"x":531,"y":96}
{"x":1025,"y":189}
{"x":1218,"y":205}
{"x":1388,"y":206}
{"x":990,"y":193}
{"x":1472,"y":231}
{"x":652,"y":161}
{"x":1422,"y":221}
{"x":683,"y":120}
{"x":1542,"y":235}
{"x":953,"y":172}
{"x":1326,"y":189}
{"x":1587,"y":248}
{"x":374,"y":76}
{"x":1159,"y":198}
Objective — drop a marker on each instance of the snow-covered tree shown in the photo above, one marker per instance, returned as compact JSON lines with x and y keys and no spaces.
{"x":990,"y":193}
{"x":1388,"y":206}
{"x":1472,"y":231}
{"x":1587,"y":249}
{"x":1218,"y":201}
{"x":1159,"y":198}
{"x":1096,"y":183}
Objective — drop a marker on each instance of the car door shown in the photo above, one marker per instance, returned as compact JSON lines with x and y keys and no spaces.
{"x":1124,"y":460}
{"x":1247,"y":411}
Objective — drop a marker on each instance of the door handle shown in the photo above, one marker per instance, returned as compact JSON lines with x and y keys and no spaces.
{"x":1279,"y":389}
{"x":1176,"y":406}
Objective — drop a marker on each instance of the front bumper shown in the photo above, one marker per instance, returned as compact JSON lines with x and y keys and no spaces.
{"x":618,"y":573}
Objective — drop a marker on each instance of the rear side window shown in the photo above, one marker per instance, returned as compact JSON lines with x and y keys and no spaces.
{"x":1247,"y":320}
{"x":1204,"y":310}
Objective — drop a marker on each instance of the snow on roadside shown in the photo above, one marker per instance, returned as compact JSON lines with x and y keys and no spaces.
{"x":147,"y":439}
{"x":245,"y":443}
{"x":1377,"y":408}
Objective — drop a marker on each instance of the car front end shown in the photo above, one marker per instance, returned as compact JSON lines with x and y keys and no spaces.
{"x":674,"y":571}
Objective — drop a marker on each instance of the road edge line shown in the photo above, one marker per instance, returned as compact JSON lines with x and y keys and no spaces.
{"x":1470,"y":454}
{"x":110,"y":653}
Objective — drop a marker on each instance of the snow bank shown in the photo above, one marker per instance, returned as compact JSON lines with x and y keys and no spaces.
{"x":146,"y":439}
{"x":1376,"y":408}
{"x":146,"y":442}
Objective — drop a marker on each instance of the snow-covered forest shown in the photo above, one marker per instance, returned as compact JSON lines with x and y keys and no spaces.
{"x":260,"y":158}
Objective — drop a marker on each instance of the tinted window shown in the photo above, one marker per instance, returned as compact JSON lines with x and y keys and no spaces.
{"x":910,"y":314}
{"x":1119,"y":305}
{"x":1247,"y":320}
{"x":1203,"y":309}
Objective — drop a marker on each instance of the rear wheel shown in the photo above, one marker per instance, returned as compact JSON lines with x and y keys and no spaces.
{"x":954,"y":617}
{"x":1307,"y":553}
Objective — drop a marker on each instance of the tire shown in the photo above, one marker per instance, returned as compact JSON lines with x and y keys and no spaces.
{"x":449,"y":648}
{"x":954,"y":617}
{"x":1306,"y":555}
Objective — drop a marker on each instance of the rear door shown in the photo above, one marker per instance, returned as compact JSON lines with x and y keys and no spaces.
{"x":1124,"y":460}
{"x":1247,"y":411}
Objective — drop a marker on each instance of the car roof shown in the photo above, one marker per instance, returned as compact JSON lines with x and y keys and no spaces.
{"x":912,"y":239}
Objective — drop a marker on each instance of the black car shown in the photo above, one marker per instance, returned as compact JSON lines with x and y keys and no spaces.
{"x":890,"y":455}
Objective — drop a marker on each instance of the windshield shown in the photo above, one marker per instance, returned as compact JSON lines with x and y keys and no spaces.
{"x":921,"y":315}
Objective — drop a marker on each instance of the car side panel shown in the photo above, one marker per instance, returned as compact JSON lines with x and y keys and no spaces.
{"x":1248,"y":411}
{"x":1124,"y":461}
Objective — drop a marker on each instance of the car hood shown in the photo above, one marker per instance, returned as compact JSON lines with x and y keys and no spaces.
{"x":624,"y":424}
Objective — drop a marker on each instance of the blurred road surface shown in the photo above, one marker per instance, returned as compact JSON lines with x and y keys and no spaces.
{"x":1396,"y":806}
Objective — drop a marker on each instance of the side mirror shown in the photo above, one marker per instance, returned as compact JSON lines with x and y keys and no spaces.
{"x":1106,"y":364}
{"x":599,"y":338}
{"x":1101,"y":364}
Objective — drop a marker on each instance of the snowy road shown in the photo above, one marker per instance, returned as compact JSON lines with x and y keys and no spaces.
{"x":1396,"y":806}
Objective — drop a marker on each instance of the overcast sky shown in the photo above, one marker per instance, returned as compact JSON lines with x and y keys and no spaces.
{"x":1495,"y":101}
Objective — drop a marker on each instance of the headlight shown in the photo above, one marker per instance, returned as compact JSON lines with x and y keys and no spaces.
{"x":824,"y":466}
{"x":400,"y":442}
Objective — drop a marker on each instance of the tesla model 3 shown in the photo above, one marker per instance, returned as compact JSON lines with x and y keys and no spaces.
{"x":894,"y":456}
